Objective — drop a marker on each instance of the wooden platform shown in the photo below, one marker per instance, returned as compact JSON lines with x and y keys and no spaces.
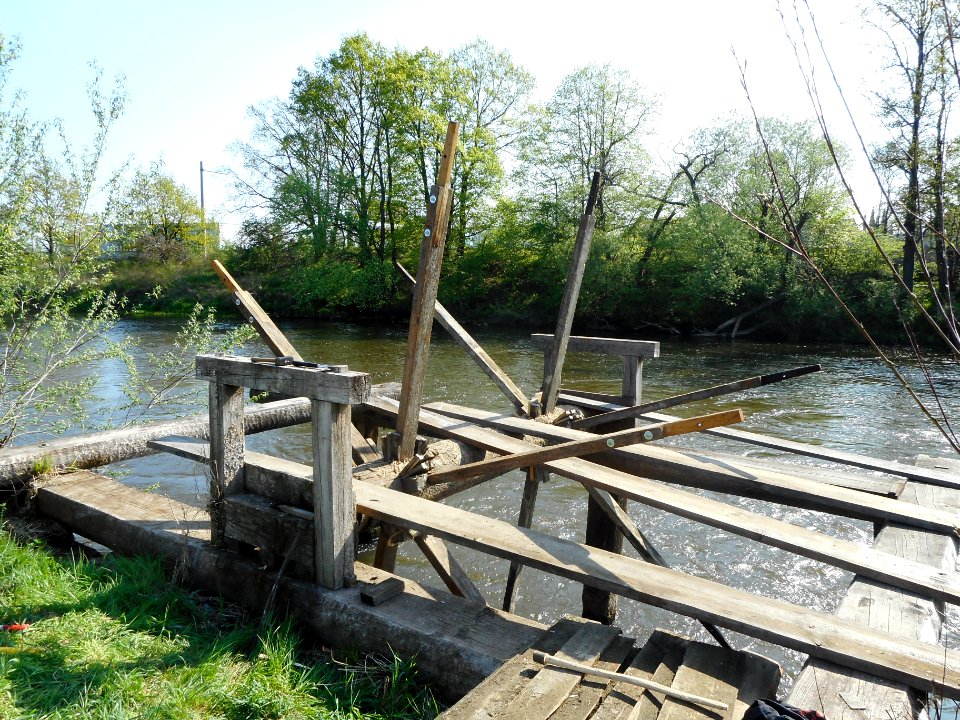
{"x":523,"y":688}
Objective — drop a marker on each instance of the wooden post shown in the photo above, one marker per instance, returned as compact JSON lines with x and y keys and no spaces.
{"x":425,"y":296}
{"x":602,"y":531}
{"x":226,"y":451}
{"x":531,"y":486}
{"x":334,"y":506}
{"x":568,"y":306}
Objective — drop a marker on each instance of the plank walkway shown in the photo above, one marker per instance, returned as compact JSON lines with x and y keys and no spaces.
{"x":523,"y":688}
{"x":843,"y":694}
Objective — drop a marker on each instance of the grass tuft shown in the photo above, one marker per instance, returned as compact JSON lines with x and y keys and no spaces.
{"x":115,"y":639}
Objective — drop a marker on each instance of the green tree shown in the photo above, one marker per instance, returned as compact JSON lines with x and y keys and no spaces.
{"x":160,"y":218}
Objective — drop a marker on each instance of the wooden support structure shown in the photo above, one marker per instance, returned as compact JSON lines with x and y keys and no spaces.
{"x":553,"y":363}
{"x":850,"y":644}
{"x":807,"y":543}
{"x":479,"y":355}
{"x":837,"y":691}
{"x":636,"y":411}
{"x":577,"y":448}
{"x":331,"y":392}
{"x":256,"y":316}
{"x":226,"y":451}
{"x":425,"y":296}
{"x":456,"y":643}
{"x":690,"y":469}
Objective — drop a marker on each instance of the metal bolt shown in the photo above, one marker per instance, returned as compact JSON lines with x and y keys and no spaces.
{"x":237,"y":301}
{"x":426,"y":232}
{"x":611,"y":442}
{"x":648,"y":435}
{"x":433,"y":199}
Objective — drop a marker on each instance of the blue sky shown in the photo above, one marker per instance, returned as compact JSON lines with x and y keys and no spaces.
{"x":193,"y":68}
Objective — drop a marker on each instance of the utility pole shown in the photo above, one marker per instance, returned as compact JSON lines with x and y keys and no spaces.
{"x":203,"y":214}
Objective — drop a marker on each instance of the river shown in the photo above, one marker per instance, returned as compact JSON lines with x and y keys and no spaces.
{"x":853,"y":405}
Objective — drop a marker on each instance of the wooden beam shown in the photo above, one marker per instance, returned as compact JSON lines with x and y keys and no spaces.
{"x":475,"y":351}
{"x":333,"y":504}
{"x":617,"y":515}
{"x":640,"y":409}
{"x":553,"y":362}
{"x":847,"y":643}
{"x":931,"y":476}
{"x":901,"y":614}
{"x":447,"y":567}
{"x":689,"y":469}
{"x":254,"y":314}
{"x":347,"y":387}
{"x":225,"y":403}
{"x":425,"y":296}
{"x":646,"y":349}
{"x":777,"y":533}
{"x":363,"y":450}
{"x":576,"y":448}
{"x":535,"y":476}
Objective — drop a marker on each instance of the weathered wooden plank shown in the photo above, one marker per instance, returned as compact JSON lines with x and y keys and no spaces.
{"x":932,"y":476}
{"x":899,"y":613}
{"x":363,"y":450}
{"x":379,"y":592}
{"x":602,"y":346}
{"x":425,"y":296}
{"x":689,"y":468}
{"x":535,"y":476}
{"x":346,"y":387}
{"x":709,"y":671}
{"x":639,"y":409}
{"x":475,"y":351}
{"x":658,"y":660}
{"x":254,"y":521}
{"x":333,"y":503}
{"x":621,"y":438}
{"x":553,"y":360}
{"x":759,"y":678}
{"x":226,"y":451}
{"x":447,"y":567}
{"x":254,"y":314}
{"x":550,"y":687}
{"x":493,"y":695}
{"x":835,"y":639}
{"x":456,"y":643}
{"x":808,"y":543}
{"x":581,"y":703}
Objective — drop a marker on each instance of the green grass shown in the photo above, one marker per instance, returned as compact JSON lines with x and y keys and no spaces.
{"x":115,"y":639}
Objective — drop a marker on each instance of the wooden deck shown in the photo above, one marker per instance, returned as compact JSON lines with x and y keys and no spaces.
{"x":524,"y":688}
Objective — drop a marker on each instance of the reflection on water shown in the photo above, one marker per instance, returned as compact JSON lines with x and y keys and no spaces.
{"x":853,"y":405}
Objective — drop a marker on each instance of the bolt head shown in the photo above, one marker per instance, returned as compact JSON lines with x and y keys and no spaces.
{"x":426,"y":232}
{"x":611,"y":442}
{"x":648,"y":435}
{"x":433,"y":199}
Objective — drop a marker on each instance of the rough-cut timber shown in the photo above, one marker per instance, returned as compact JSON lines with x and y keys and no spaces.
{"x":603,"y":346}
{"x":425,"y":296}
{"x":456,"y":643}
{"x":554,"y":357}
{"x":475,"y":351}
{"x":843,"y":694}
{"x":102,"y":448}
{"x":850,"y":644}
{"x":693,"y":470}
{"x":226,"y":451}
{"x":346,"y":387}
{"x":808,"y":543}
{"x":333,"y":504}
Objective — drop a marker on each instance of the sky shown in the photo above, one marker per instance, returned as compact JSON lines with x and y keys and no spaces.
{"x":192,"y":69}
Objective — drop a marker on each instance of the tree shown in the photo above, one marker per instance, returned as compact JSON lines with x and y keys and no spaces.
{"x":160,"y":218}
{"x":595,"y":121}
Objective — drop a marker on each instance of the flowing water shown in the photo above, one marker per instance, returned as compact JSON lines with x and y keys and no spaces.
{"x":852,"y":405}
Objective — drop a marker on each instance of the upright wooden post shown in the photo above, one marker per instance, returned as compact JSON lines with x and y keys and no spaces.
{"x":568,"y":306}
{"x":425,"y":296}
{"x":334,"y":506}
{"x":226,"y":451}
{"x":601,"y":530}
